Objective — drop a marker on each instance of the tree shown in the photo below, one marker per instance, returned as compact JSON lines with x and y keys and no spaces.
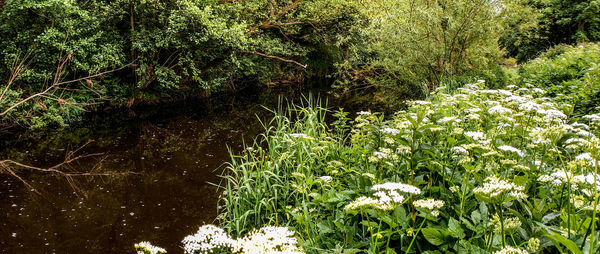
{"x":409,"y":43}
{"x":538,"y":25}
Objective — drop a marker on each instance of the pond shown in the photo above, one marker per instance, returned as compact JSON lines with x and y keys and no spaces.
{"x":172,"y":154}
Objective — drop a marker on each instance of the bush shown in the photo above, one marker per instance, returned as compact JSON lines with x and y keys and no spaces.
{"x":179,"y":47}
{"x":571,"y":74}
{"x":476,"y":171}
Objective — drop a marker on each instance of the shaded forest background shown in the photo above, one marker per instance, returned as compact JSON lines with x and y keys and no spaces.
{"x":61,"y":58}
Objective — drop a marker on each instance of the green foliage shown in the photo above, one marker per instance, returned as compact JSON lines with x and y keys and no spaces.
{"x":494,"y":169}
{"x":537,"y":25}
{"x":407,"y":44}
{"x":177,"y":46}
{"x":571,"y":74}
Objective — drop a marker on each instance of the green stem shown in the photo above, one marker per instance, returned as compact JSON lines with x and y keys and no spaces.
{"x":415,"y":236}
{"x":502,"y":226}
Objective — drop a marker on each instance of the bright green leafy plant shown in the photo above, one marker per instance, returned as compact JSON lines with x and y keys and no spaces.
{"x":475,"y":170}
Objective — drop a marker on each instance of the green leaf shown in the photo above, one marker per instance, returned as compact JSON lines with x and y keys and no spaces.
{"x":324,"y":229}
{"x":455,"y":229}
{"x":556,"y":239}
{"x":400,"y":216}
{"x":433,"y":236}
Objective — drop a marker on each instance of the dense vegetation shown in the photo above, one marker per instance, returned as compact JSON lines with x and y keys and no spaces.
{"x":59,"y":58}
{"x":505,"y":164}
{"x":537,"y":25}
{"x":471,"y":171}
{"x":121,"y":52}
{"x":570,"y":74}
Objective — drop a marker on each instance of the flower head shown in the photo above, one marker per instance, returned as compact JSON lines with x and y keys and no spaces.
{"x":495,"y":190}
{"x":147,"y":247}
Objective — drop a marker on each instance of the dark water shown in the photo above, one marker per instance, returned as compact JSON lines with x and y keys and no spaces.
{"x":172,"y":152}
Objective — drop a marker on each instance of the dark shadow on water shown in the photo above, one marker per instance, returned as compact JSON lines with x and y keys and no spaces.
{"x":173,"y":150}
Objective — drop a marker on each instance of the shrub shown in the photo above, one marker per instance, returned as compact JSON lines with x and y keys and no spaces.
{"x":571,"y":74}
{"x":474,"y":171}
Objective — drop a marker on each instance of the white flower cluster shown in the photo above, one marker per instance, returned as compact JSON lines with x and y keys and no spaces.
{"x":510,"y":224}
{"x":494,"y":189}
{"x":326,"y":178}
{"x":560,"y":177}
{"x":586,"y":157}
{"x":401,"y":187}
{"x":553,"y":114}
{"x":511,"y":250}
{"x":380,"y":155}
{"x":457,"y":150}
{"x":475,"y":135}
{"x":418,"y":102}
{"x":367,"y":202}
{"x":511,"y":149}
{"x":429,"y":204}
{"x":499,"y":110}
{"x":207,"y":239}
{"x":391,"y":131}
{"x":147,"y":247}
{"x":387,"y":197}
{"x":448,"y":119}
{"x":268,"y":239}
{"x":592,"y":118}
{"x":301,"y":135}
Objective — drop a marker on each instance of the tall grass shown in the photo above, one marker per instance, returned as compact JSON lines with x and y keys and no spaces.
{"x":473,"y":171}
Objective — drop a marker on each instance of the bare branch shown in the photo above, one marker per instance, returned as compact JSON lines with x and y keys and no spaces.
{"x":274,"y":57}
{"x":56,"y":84}
{"x":10,"y":167}
{"x":268,"y":23}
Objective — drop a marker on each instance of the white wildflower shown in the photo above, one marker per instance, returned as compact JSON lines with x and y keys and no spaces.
{"x":592,"y":118}
{"x":499,"y":110}
{"x":429,"y":204}
{"x":494,"y":190}
{"x":401,"y":187}
{"x":538,"y":90}
{"x":419,"y":102}
{"x":586,"y":157}
{"x":367,"y":202}
{"x":457,"y":150}
{"x":576,"y":141}
{"x":580,"y":126}
{"x":380,"y":155}
{"x":515,"y":98}
{"x":530,"y":106}
{"x":363,"y":113}
{"x":488,"y":91}
{"x":511,"y":149}
{"x":326,"y":178}
{"x":391,"y":131}
{"x":448,"y":119}
{"x":504,"y":92}
{"x":269,"y":239}
{"x":146,"y":247}
{"x":511,"y":250}
{"x":553,"y":114}
{"x":475,"y":135}
{"x":208,"y":238}
{"x":404,"y":150}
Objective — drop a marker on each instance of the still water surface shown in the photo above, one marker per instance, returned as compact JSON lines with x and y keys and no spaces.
{"x":174,"y":152}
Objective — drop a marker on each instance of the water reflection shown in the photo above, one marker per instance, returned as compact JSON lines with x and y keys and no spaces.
{"x":173,"y":153}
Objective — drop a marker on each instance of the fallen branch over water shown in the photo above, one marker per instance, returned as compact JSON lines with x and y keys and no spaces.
{"x":12,"y":168}
{"x":274,"y":57}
